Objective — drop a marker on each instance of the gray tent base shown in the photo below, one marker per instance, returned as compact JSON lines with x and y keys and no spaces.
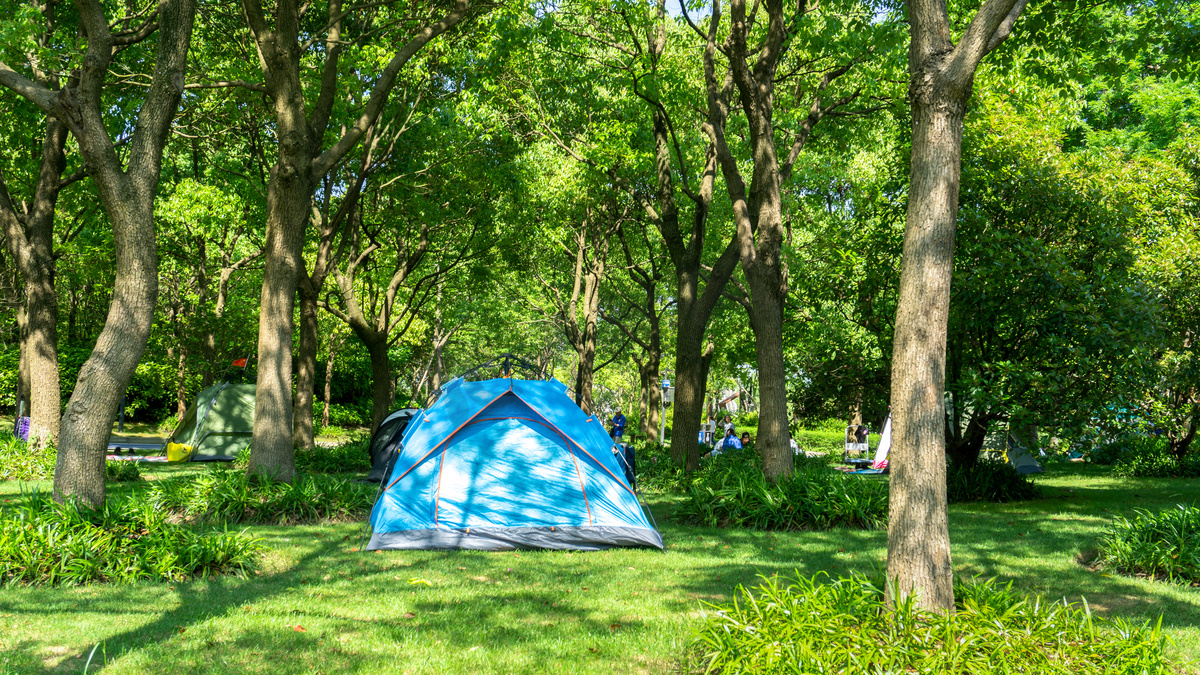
{"x":578,"y":538}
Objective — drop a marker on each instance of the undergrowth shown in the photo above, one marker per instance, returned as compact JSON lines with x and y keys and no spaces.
{"x":43,"y":542}
{"x":22,"y":461}
{"x":348,"y":457}
{"x":844,"y":626}
{"x":122,"y":472}
{"x":225,"y":495}
{"x":988,"y":481}
{"x":732,"y":491}
{"x":1163,"y":545}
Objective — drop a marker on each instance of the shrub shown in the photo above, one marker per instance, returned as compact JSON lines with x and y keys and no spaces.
{"x":343,"y":415}
{"x":22,"y":461}
{"x":988,"y":481}
{"x":828,"y":442}
{"x":844,"y":626}
{"x":348,"y":457}
{"x":231,"y":496}
{"x":1147,"y":457}
{"x":734,"y":492}
{"x":168,"y":425}
{"x":1156,"y":545}
{"x":748,"y":419}
{"x":122,"y":472}
{"x":43,"y":542}
{"x":655,"y":470}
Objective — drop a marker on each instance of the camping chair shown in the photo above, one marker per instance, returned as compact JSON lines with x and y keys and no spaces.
{"x":852,"y":445}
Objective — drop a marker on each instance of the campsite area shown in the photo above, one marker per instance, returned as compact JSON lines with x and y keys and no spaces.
{"x":626,"y":611}
{"x":599,"y":336}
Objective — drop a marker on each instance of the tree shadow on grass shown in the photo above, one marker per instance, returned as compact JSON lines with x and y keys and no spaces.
{"x":198,"y":600}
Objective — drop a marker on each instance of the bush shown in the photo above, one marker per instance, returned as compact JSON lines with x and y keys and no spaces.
{"x":988,"y":481}
{"x":655,"y":470}
{"x":748,"y":419}
{"x":348,"y":457}
{"x":734,"y":492}
{"x":43,"y":542}
{"x":828,"y":442}
{"x":22,"y":461}
{"x":122,"y":472}
{"x":231,"y":496}
{"x":1162,"y":545}
{"x":1147,"y":457}
{"x":343,"y":415}
{"x":844,"y":626}
{"x":168,"y":425}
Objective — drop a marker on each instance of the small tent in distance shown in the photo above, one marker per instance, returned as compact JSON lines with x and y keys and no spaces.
{"x":502,"y":464}
{"x":218,"y":424}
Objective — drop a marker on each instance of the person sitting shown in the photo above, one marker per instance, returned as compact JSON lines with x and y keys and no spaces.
{"x":730,"y":442}
{"x":618,"y":426}
{"x":745,"y":438}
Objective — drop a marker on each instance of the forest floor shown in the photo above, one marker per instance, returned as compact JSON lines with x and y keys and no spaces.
{"x":320,"y":606}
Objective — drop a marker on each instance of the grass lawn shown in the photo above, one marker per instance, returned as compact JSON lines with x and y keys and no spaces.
{"x":319,"y":606}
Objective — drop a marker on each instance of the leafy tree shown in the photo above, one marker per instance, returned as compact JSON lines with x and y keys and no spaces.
{"x":127,"y":190}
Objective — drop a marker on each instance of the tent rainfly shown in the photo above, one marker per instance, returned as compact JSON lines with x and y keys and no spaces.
{"x":216,"y":426}
{"x":507,"y":464}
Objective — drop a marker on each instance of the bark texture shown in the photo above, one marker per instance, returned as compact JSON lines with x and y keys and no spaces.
{"x":941,"y":76}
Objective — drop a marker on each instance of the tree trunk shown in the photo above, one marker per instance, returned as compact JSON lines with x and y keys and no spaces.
{"x":306,"y":370}
{"x":1180,"y":444}
{"x":272,"y":452}
{"x":643,"y":397}
{"x":127,"y":196}
{"x":964,"y":451}
{"x":181,"y":397}
{"x":31,"y":244}
{"x":23,"y":383}
{"x":941,"y":75}
{"x":918,"y":527}
{"x":768,"y":291}
{"x":333,"y":344}
{"x":653,"y":416}
{"x":382,"y":386}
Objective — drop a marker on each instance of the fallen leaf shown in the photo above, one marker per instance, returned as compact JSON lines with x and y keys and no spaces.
{"x":409,"y":615}
{"x":415,"y":581}
{"x":614,"y":626}
{"x":462,"y":568}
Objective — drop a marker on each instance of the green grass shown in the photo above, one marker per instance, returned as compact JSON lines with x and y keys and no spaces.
{"x":529,"y":613}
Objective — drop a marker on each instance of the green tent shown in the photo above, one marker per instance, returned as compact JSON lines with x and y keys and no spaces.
{"x":219,"y":424}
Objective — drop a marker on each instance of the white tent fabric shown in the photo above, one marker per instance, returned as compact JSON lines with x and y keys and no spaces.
{"x":885,"y":444}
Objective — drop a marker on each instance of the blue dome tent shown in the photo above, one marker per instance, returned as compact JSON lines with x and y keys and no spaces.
{"x":507,"y":463}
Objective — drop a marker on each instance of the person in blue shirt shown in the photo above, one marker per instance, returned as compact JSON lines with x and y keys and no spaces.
{"x":618,"y":426}
{"x":730,"y":442}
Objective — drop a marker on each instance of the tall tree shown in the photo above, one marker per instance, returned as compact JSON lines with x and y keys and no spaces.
{"x":646,"y":271}
{"x":941,"y":76}
{"x":755,"y":57}
{"x":631,"y":44}
{"x":127,"y":194}
{"x":306,"y":153}
{"x":28,"y":226}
